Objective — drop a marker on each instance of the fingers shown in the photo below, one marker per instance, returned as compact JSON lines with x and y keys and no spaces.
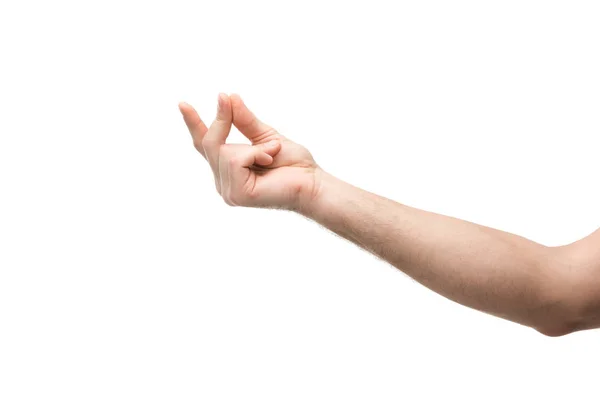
{"x":220,"y":128}
{"x":237,"y":180}
{"x":247,"y":123}
{"x":231,"y":163}
{"x":270,"y":148}
{"x":240,"y":185}
{"x":217,"y":135}
{"x":264,"y":154}
{"x":194,"y":124}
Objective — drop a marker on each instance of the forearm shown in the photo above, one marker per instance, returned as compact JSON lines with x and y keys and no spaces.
{"x":483,"y":268}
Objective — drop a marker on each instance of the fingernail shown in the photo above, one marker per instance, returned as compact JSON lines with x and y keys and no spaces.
{"x":219,"y":102}
{"x":272,"y":143}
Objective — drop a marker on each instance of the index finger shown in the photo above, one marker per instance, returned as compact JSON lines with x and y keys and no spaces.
{"x":194,"y":124}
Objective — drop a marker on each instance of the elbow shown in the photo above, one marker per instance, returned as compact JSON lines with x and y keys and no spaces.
{"x":570,"y":300}
{"x":556,"y":331}
{"x":560,"y":318}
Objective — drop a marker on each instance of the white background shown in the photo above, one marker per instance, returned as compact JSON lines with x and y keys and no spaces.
{"x":123,"y":275}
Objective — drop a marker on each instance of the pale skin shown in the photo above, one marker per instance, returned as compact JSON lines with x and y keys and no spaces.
{"x":555,"y":290}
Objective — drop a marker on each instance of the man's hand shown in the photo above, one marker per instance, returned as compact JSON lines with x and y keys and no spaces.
{"x":271,"y":172}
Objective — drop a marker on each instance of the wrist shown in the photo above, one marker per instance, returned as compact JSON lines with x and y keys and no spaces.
{"x":315,"y":200}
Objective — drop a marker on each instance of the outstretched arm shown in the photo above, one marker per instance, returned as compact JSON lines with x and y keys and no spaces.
{"x":547,"y":288}
{"x":551,"y":289}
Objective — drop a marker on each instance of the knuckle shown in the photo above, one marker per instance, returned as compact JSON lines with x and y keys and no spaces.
{"x":224,"y":151}
{"x":206,"y":142}
{"x":267,"y":133}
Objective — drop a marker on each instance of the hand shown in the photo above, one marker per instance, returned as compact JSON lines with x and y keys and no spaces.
{"x":271,"y":172}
